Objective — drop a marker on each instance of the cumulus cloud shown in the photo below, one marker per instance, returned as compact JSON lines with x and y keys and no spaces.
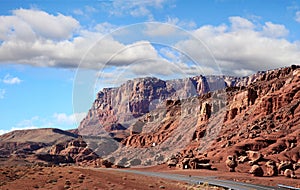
{"x":239,"y":23}
{"x":2,"y":93}
{"x":239,"y":48}
{"x":141,"y":50}
{"x":64,"y":119}
{"x":22,"y":26}
{"x":8,"y":79}
{"x":31,"y":42}
{"x":46,"y":25}
{"x":274,"y":30}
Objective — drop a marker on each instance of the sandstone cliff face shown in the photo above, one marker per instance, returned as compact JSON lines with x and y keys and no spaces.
{"x":262,"y":117}
{"x":114,"y":107}
{"x":258,"y":113}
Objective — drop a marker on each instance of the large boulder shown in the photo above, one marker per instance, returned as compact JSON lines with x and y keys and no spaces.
{"x":256,"y":170}
{"x":272,"y":169}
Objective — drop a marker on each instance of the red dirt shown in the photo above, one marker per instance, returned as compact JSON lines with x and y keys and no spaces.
{"x":23,"y":177}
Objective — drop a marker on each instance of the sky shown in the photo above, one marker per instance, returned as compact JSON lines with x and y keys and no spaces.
{"x":55,"y":56}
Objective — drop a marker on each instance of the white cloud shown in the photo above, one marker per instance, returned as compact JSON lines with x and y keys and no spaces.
{"x":3,"y":131}
{"x":46,"y":25}
{"x":140,"y":11}
{"x":2,"y":93}
{"x":297,"y":18}
{"x":57,"y":120}
{"x":274,"y":30}
{"x":239,"y":23}
{"x":8,"y":79}
{"x":141,"y":50}
{"x":171,"y":27}
{"x":235,"y":46}
{"x":64,"y":119}
{"x":32,"y":43}
{"x":181,"y":23}
{"x":105,"y":28}
{"x":240,"y":46}
{"x":86,"y":11}
{"x":136,"y":8}
{"x":29,"y":123}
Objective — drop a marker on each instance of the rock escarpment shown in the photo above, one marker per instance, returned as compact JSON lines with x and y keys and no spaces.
{"x":259,"y":113}
{"x":114,"y":107}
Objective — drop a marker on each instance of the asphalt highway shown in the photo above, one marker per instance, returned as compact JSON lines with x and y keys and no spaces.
{"x":196,"y":179}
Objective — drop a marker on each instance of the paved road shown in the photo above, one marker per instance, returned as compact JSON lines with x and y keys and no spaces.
{"x":196,"y":179}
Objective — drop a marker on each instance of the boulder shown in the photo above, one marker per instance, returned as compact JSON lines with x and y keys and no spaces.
{"x":231,"y":163}
{"x":272,"y":169}
{"x":256,"y":170}
{"x":289,"y":173}
{"x":172,"y":163}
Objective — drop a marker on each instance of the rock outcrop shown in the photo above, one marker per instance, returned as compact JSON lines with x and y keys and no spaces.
{"x":272,"y":169}
{"x":254,"y":118}
{"x":231,"y":163}
{"x":135,"y":98}
{"x":76,"y":149}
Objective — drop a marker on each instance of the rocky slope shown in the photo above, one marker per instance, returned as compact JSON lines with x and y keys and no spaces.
{"x":27,"y":142}
{"x":114,"y":107}
{"x":164,"y":118}
{"x":41,"y":145}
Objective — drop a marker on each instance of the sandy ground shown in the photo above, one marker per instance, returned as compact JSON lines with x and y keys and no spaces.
{"x":70,"y":177}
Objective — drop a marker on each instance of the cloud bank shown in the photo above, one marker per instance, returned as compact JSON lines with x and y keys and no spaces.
{"x":240,"y":47}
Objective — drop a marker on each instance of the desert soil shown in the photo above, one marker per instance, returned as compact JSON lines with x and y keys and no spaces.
{"x":72,"y":177}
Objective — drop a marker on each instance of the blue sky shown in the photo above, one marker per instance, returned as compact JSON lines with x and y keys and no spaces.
{"x":55,"y":56}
